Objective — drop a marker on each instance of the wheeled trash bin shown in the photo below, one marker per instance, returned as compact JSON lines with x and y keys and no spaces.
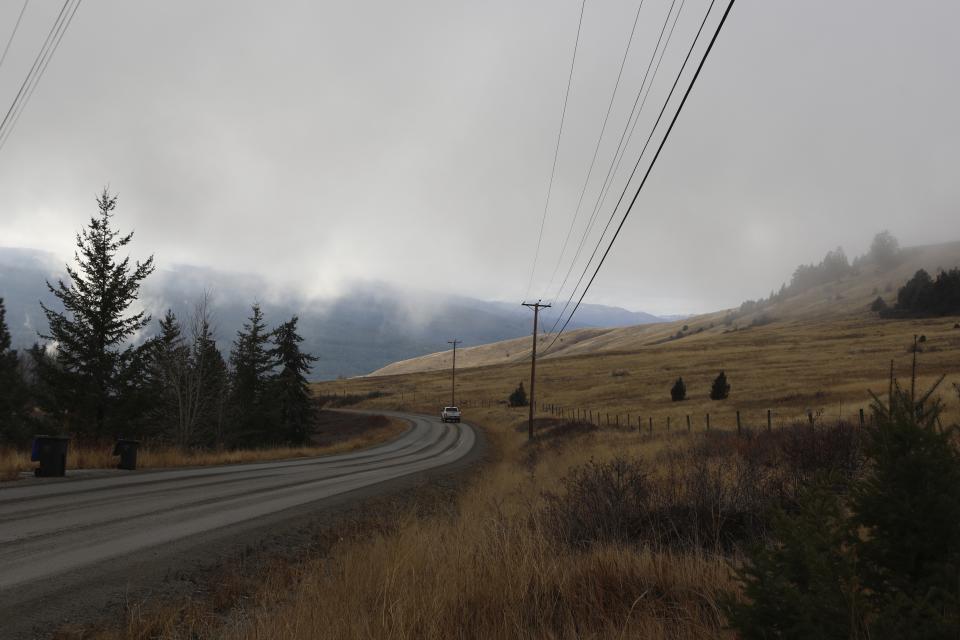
{"x":127,"y":450}
{"x":51,"y":453}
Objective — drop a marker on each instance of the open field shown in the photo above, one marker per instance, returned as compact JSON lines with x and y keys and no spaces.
{"x":336,"y":433}
{"x":788,"y":367}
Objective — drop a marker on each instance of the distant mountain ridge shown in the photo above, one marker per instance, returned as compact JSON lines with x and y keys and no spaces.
{"x":354,"y":334}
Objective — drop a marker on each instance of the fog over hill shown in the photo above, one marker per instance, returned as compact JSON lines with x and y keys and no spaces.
{"x":356,"y":333}
{"x":847,"y":296}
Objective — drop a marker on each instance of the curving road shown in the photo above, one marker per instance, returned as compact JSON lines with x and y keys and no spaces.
{"x":60,"y":538}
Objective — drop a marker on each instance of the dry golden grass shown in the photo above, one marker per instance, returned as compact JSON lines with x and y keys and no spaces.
{"x":483,"y":569}
{"x":15,"y":461}
{"x":787,"y":367}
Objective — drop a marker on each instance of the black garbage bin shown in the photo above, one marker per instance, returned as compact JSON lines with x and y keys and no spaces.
{"x":51,"y":453}
{"x":127,"y":450}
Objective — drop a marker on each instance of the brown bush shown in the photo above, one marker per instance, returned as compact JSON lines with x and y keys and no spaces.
{"x":717,"y":494}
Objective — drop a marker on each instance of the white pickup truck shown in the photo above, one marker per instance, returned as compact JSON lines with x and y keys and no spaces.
{"x":450,"y":414}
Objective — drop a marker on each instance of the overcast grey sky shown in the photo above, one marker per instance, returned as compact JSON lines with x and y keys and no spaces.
{"x":322,"y":143}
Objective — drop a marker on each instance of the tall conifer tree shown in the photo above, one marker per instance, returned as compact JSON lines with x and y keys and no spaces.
{"x":214,"y":381}
{"x":93,"y":332}
{"x":12,"y":387}
{"x":251,"y":363}
{"x":290,"y":390}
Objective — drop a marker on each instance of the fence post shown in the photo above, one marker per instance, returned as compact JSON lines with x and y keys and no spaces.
{"x":738,"y":424}
{"x":708,"y":422}
{"x":861,"y":417}
{"x":617,"y":417}
{"x":810,"y":416}
{"x":668,"y":423}
{"x":608,"y":419}
{"x":639,"y":424}
{"x":769,"y":420}
{"x":688,"y":423}
{"x":651,"y":424}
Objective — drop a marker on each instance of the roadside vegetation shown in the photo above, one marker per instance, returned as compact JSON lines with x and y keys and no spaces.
{"x":332,"y":433}
{"x":105,"y":369}
{"x":591,"y":532}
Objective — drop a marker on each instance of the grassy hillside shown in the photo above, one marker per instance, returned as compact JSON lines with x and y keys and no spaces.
{"x":845,"y":300}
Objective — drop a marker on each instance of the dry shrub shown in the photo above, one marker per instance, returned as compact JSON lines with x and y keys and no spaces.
{"x":552,"y":435}
{"x":12,"y":462}
{"x":693,"y":505}
{"x":601,"y":502}
{"x":717,"y":494}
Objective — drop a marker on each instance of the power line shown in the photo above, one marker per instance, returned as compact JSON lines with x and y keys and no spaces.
{"x":61,"y":30}
{"x":633,"y":172}
{"x":556,"y":151}
{"x":653,"y":161}
{"x":39,"y":67}
{"x":14,"y":32}
{"x":618,"y":155}
{"x":614,"y":167}
{"x":34,"y":67}
{"x":596,"y":149}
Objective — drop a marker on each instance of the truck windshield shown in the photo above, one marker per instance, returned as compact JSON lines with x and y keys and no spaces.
{"x":451,"y":409}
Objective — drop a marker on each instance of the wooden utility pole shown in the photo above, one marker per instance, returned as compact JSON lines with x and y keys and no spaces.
{"x":536,"y":306}
{"x":453,"y":373}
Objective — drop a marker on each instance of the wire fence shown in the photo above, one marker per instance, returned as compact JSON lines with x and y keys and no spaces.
{"x":642,"y":422}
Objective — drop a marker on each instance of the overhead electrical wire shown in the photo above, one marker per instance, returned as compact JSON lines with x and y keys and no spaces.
{"x":556,"y":151}
{"x":622,"y":146}
{"x":596,"y":149}
{"x":640,"y":156}
{"x":656,"y":155}
{"x":14,"y":32}
{"x":39,"y":67}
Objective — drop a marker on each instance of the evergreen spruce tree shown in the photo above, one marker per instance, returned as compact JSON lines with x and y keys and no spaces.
{"x":164,"y":377}
{"x":804,"y":585}
{"x":13,"y":392}
{"x":721,"y":388}
{"x":908,"y":506}
{"x":92,"y":333}
{"x":252,"y":364}
{"x":679,"y":391}
{"x":881,"y":560}
{"x":214,"y":380}
{"x":290,"y":392}
{"x":519,"y":397}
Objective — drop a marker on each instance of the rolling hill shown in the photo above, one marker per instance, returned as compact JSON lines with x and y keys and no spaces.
{"x":845,"y":298}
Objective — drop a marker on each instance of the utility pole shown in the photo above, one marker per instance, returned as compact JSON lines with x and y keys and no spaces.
{"x":453,"y":376}
{"x":536,"y":306}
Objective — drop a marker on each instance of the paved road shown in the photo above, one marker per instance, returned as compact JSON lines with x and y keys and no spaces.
{"x":61,"y":534}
